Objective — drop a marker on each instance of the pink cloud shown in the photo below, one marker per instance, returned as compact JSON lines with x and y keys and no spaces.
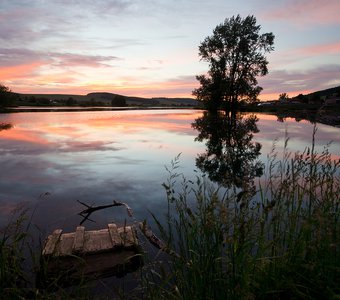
{"x":307,"y":12}
{"x":74,"y":60}
{"x":317,"y":52}
{"x":26,"y":70}
{"x":17,"y":56}
{"x":130,"y":86}
{"x":296,"y":82}
{"x":330,"y":48}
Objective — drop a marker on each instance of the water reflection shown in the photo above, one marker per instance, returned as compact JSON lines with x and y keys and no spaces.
{"x":5,"y":126}
{"x":99,"y":156}
{"x":231,"y":154}
{"x":93,"y":157}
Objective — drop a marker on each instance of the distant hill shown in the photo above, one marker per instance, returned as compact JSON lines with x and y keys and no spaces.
{"x":104,"y":98}
{"x":326,"y":93}
{"x":112,"y":99}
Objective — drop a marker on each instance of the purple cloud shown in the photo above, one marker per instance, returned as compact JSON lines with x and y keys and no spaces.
{"x":16,"y":56}
{"x":74,"y":60}
{"x":304,"y":12}
{"x":318,"y":78}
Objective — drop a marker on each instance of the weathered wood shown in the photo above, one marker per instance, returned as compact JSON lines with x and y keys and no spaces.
{"x":154,"y":240}
{"x":90,"y":209}
{"x":128,"y":236}
{"x":97,"y":241}
{"x":114,"y":235}
{"x":105,"y":252}
{"x":65,"y":245}
{"x":78,"y":242}
{"x":51,"y":242}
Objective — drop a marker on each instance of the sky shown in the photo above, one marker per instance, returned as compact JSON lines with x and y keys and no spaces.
{"x":149,"y":48}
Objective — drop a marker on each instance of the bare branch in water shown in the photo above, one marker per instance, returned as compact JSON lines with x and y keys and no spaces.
{"x":90,"y":209}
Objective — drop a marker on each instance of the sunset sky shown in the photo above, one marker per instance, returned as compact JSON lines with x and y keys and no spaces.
{"x":149,"y":48}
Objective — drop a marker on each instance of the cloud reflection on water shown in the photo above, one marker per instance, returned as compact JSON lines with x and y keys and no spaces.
{"x":99,"y":156}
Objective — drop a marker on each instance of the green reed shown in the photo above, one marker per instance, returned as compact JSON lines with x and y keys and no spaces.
{"x":23,"y":271}
{"x":278,"y":240}
{"x":13,"y":278}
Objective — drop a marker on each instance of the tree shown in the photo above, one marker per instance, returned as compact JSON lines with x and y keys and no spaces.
{"x":236,"y":56}
{"x":283,"y":97}
{"x":70,"y":101}
{"x":118,"y":100}
{"x":7,"y":97}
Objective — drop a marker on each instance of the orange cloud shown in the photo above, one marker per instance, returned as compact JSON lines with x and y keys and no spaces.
{"x":20,"y":71}
{"x":275,"y":96}
{"x":65,"y":83}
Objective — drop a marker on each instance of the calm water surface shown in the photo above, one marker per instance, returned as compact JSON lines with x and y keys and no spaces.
{"x":98,"y":156}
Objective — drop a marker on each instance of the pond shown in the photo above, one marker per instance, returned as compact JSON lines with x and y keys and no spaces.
{"x":49,"y":160}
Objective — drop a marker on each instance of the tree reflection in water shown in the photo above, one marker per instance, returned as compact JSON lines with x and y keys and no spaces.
{"x":231,"y":155}
{"x":5,"y":126}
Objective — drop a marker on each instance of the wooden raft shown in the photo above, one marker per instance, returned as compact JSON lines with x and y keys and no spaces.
{"x":105,"y":252}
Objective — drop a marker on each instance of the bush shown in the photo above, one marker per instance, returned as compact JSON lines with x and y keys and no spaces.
{"x":7,"y":97}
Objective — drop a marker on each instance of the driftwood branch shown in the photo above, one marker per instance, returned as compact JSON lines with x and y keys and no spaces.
{"x":91,"y":209}
{"x":154,"y":240}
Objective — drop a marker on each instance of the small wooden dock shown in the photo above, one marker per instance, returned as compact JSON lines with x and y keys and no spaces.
{"x":105,"y":252}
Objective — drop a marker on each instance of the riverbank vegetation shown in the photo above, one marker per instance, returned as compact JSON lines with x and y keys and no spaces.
{"x":279,"y":240}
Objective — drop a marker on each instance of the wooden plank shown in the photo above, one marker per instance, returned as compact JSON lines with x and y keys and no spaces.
{"x":52,"y":241}
{"x":78,"y":242}
{"x":128,"y":236}
{"x":66,"y":244}
{"x":90,"y":242}
{"x":105,"y":252}
{"x":97,"y":241}
{"x":114,"y":235}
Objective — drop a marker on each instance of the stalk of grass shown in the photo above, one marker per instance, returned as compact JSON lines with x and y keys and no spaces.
{"x":23,"y":272}
{"x":278,"y":243}
{"x":13,"y":279}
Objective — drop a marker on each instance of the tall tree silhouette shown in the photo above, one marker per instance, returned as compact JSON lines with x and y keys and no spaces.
{"x":236,"y":56}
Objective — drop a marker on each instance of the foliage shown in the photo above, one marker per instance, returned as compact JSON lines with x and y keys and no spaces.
{"x":118,"y":100}
{"x":12,"y":276}
{"x":283,"y":97}
{"x":281,"y":243}
{"x":7,"y":97}
{"x":236,"y":56}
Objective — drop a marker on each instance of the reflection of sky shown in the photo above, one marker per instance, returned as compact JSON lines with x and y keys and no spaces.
{"x":300,"y":135}
{"x":99,"y":156}
{"x":91,"y":156}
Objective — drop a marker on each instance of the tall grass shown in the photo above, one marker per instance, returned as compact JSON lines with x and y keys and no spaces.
{"x":278,"y":240}
{"x":23,"y":271}
{"x":13,"y":278}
